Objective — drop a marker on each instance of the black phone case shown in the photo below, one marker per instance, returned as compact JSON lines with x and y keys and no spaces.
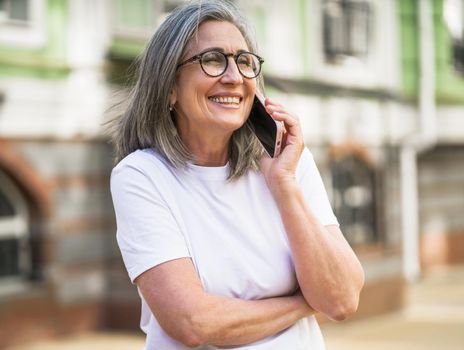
{"x":264,"y":126}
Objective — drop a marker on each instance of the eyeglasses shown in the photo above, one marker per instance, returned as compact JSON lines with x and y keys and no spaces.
{"x":215,"y":63}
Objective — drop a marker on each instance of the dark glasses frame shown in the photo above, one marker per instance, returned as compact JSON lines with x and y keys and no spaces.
{"x":226,"y":57}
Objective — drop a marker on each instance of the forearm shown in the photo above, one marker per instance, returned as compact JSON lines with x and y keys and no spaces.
{"x":329,"y":274}
{"x":225,"y":321}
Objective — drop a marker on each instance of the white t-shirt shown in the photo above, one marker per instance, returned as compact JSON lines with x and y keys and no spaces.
{"x":232,"y":231}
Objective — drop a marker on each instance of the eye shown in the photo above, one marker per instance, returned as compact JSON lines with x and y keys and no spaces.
{"x":245,"y":60}
{"x":213,"y":58}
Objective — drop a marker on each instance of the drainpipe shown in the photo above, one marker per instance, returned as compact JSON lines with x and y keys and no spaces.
{"x":421,"y":140}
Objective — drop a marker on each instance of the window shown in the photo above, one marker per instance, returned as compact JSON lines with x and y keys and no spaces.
{"x":14,"y":11}
{"x":14,"y":242}
{"x":354,"y":43}
{"x":22,"y":23}
{"x":454,"y":18}
{"x":354,"y":200}
{"x":345,"y":30}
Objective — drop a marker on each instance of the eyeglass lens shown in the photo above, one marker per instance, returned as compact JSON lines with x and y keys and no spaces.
{"x":215,"y":63}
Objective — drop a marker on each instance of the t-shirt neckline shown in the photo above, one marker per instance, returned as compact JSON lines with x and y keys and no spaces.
{"x":210,"y":172}
{"x":205,"y":172}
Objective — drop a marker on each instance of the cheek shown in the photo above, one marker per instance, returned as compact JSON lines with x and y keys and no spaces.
{"x":251,"y":86}
{"x":251,"y":90}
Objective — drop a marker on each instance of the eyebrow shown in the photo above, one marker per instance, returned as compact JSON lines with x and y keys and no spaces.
{"x":220,"y":49}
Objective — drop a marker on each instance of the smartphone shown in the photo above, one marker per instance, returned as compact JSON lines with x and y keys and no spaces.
{"x":268,"y":131}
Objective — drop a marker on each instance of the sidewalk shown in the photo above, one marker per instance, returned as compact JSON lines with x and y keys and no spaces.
{"x":433,"y":319}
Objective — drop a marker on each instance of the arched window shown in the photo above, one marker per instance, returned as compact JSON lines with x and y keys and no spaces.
{"x":14,"y":229}
{"x":354,"y":200}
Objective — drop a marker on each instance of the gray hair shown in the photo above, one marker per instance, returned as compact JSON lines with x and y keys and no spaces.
{"x":147,"y":122}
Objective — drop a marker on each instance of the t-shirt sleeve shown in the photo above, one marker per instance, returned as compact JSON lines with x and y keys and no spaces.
{"x":313,"y":189}
{"x":147,"y":232}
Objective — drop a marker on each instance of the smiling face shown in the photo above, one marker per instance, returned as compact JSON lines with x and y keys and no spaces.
{"x":212,"y":106}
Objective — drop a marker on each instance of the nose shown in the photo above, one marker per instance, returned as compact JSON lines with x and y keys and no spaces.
{"x":232,"y":75}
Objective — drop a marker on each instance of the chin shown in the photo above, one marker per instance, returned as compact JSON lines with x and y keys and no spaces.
{"x":232,"y":126}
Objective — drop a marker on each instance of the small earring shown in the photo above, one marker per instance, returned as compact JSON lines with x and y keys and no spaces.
{"x":170,"y":108}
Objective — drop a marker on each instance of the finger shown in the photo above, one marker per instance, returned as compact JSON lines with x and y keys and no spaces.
{"x":285,"y":117}
{"x":292,"y":125}
{"x":269,"y":102}
{"x":276,"y":108}
{"x":294,"y":134}
{"x":272,"y":110}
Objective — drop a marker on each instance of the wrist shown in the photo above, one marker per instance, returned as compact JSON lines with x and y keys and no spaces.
{"x":283,"y":186}
{"x":303,"y":309}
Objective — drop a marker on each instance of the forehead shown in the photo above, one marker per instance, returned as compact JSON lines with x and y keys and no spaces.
{"x":220,"y":34}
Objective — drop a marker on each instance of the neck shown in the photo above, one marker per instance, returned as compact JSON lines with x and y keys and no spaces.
{"x":208,"y":150}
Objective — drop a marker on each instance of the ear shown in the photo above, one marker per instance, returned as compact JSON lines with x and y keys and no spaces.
{"x":173,"y":96}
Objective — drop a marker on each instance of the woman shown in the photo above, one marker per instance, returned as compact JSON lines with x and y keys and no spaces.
{"x":228,"y":247}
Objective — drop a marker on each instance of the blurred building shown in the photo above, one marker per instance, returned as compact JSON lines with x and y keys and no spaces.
{"x":378,"y":87}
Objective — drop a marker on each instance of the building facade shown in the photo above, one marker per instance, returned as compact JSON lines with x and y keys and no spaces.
{"x":378,"y":87}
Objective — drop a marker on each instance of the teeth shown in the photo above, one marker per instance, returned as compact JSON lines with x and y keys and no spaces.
{"x":227,"y":100}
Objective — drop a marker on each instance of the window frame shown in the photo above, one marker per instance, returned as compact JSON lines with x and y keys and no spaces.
{"x":9,"y":20}
{"x":346,"y":46}
{"x":26,"y":34}
{"x":380,"y":68}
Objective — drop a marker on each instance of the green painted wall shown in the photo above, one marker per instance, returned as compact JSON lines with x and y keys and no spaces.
{"x":449,"y":84}
{"x":134,"y":14}
{"x":48,"y":61}
{"x":409,"y":46}
{"x":126,"y":49}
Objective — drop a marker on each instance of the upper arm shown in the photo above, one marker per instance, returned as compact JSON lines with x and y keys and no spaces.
{"x":147,"y":231}
{"x":154,"y":249}
{"x":173,"y":292}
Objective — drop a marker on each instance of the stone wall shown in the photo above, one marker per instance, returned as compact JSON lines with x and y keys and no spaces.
{"x":78,"y":269}
{"x":441,"y":193}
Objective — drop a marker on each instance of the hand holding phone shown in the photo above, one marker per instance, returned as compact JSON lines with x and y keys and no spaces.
{"x":268,"y":131}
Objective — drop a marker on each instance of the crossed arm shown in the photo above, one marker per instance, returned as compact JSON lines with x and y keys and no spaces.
{"x":190,"y":315}
{"x":194,"y":317}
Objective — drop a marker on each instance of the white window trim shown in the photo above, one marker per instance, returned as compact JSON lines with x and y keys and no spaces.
{"x":31,"y":34}
{"x":381,"y":67}
{"x":453,"y":11}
